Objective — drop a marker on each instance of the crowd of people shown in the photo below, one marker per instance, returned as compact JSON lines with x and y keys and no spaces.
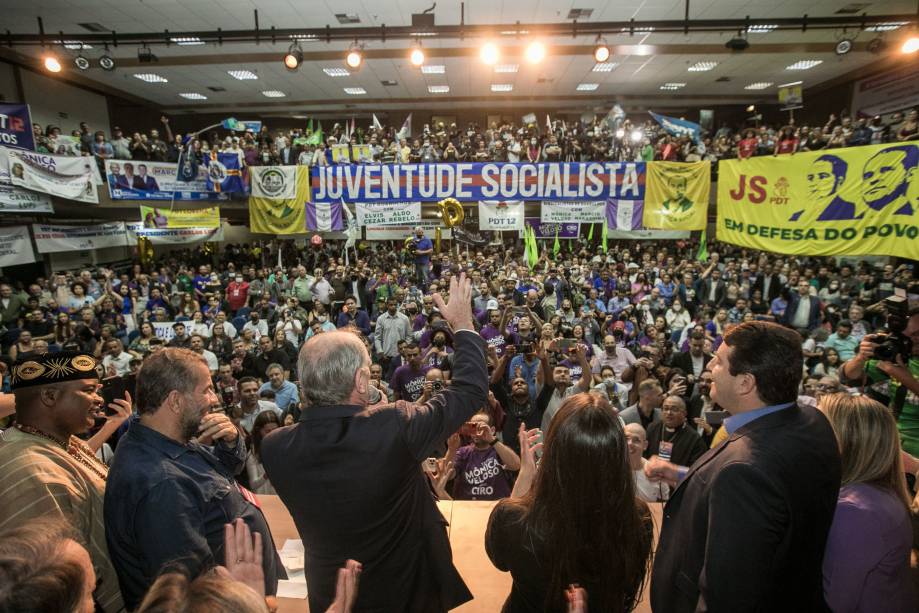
{"x":224,"y":374}
{"x":602,"y":139}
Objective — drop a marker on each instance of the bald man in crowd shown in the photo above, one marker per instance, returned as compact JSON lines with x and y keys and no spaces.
{"x":350,"y":475}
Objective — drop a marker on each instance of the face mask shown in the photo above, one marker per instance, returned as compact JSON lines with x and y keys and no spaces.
{"x":646,"y":307}
{"x":439,"y":342}
{"x":610,"y":381}
{"x":322,"y":318}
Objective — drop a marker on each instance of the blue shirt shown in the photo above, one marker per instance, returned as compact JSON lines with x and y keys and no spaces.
{"x":527,"y":371}
{"x":284,"y":396}
{"x":166,"y":504}
{"x":423,"y":245}
{"x":735,"y":422}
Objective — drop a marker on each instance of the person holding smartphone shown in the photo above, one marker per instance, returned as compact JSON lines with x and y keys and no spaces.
{"x":482,"y":466}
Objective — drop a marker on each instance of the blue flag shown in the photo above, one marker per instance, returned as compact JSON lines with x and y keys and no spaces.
{"x":678,"y":127}
{"x":224,"y":172}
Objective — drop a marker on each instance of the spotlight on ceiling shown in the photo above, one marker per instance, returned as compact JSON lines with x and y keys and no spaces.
{"x":489,"y":53}
{"x":417,"y":55}
{"x":107,"y":62}
{"x":145,"y":55}
{"x":751,"y":108}
{"x":294,"y":57}
{"x":738,"y":43}
{"x":355,"y":56}
{"x":877,"y":46}
{"x":601,"y":52}
{"x":910,"y":45}
{"x":535,"y":52}
{"x":51,"y":63}
{"x":844,"y":46}
{"x":81,"y":62}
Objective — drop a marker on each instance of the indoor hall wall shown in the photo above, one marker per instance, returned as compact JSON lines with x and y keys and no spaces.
{"x":8,"y":89}
{"x":55,"y":102}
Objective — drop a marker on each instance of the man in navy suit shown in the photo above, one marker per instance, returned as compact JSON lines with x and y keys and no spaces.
{"x":803,"y":312}
{"x":747,"y":523}
{"x":144,"y":181}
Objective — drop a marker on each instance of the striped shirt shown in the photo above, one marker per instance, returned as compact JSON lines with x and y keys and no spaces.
{"x":38,"y":478}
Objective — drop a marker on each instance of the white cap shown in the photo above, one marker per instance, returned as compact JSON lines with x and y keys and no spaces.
{"x":491,"y":305}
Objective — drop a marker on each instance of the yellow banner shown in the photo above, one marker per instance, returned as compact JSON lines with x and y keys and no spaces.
{"x":854,"y":201}
{"x":676,"y":195}
{"x":155,"y":217}
{"x":271,"y":216}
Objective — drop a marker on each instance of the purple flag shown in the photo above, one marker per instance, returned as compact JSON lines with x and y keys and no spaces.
{"x":324,"y":216}
{"x":624,"y":214}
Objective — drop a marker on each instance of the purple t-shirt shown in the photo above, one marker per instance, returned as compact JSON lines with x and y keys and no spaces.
{"x":479,"y":475}
{"x":408,"y":382}
{"x":494,"y":338}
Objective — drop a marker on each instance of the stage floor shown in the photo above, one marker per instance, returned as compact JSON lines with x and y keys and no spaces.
{"x":468,"y":519}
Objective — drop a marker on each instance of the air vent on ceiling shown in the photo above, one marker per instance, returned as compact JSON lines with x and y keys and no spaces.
{"x":388,"y":83}
{"x":94,"y":27}
{"x":423,"y":20}
{"x":216,"y":88}
{"x":345,"y":18}
{"x":544,"y":80}
{"x":851,"y":9}
{"x":722,"y":79}
{"x":580,"y":13}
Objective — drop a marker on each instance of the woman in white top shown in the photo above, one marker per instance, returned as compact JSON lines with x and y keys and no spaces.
{"x":265,"y":422}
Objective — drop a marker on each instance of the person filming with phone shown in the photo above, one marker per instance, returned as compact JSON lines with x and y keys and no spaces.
{"x":893,"y":357}
{"x":482,"y":466}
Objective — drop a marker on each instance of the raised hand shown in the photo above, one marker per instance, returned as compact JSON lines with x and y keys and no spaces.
{"x":458,"y":311}
{"x":243,"y":556}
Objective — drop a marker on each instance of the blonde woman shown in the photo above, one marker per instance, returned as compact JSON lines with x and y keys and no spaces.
{"x":866,"y":564}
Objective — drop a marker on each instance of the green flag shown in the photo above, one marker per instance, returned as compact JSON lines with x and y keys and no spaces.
{"x":309,"y":127}
{"x":590,"y":233}
{"x":702,"y":255}
{"x":316,"y":137}
{"x":557,"y":246}
{"x":532,"y":250}
{"x":605,"y":235}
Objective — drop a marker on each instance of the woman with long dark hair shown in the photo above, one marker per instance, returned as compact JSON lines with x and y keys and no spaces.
{"x":577,"y":519}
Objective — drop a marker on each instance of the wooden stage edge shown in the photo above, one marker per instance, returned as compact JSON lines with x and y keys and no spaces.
{"x":467,"y":520}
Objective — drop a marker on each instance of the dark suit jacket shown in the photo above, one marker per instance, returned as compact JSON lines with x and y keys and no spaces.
{"x":352,"y":480}
{"x":704,"y":290}
{"x":746,"y":528}
{"x":683,"y":361}
{"x":775,"y":286}
{"x":813,"y":316}
{"x":11,"y":313}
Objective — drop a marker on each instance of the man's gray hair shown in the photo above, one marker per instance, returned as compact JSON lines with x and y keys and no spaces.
{"x":274,"y":365}
{"x":327,"y":365}
{"x":162,"y":372}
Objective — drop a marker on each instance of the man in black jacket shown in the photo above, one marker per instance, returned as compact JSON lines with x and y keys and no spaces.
{"x":351,"y":474}
{"x":746,"y":527}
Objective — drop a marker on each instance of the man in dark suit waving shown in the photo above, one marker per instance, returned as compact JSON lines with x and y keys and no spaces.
{"x":746,"y":526}
{"x":351,"y":475}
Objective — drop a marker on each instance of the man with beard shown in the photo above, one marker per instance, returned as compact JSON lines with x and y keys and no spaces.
{"x":45,"y":470}
{"x":172,"y":488}
{"x":408,"y":379}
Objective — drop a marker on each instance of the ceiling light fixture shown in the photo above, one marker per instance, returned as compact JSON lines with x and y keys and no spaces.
{"x":355,"y":56}
{"x":294,"y":56}
{"x":243,"y":75}
{"x":273,"y":93}
{"x":336,"y":72}
{"x":804,"y":65}
{"x":605,"y":67}
{"x":738,"y":43}
{"x":192,"y":96}
{"x":107,"y":62}
{"x":417,"y":55}
{"x":502,"y":87}
{"x":535,"y":52}
{"x":601,"y":51}
{"x":433,"y":69}
{"x":702,"y":66}
{"x":507,"y":68}
{"x":489,"y":53}
{"x":910,"y":45}
{"x":81,"y":62}
{"x":673,"y":86}
{"x":587,"y":87}
{"x":438,"y":89}
{"x":355,"y":91}
{"x":51,"y":63}
{"x":759,"y":85}
{"x":149,"y":77}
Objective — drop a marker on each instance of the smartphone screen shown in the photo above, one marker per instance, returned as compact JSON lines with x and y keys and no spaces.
{"x":469,"y":428}
{"x":112,"y":388}
{"x":715,"y":418}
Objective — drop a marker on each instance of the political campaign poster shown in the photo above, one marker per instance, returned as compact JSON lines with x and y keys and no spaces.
{"x":139,"y":180}
{"x":387,"y":213}
{"x":501,"y":215}
{"x":173,"y":236}
{"x":15,"y":246}
{"x":573,"y":211}
{"x":19,"y":200}
{"x":544,"y":230}
{"x":54,"y":238}
{"x":400,"y":233}
{"x":65,"y":177}
{"x":473,"y":182}
{"x":851,"y":201}
{"x":163,"y":217}
{"x":677,"y":195}
{"x":16,"y":127}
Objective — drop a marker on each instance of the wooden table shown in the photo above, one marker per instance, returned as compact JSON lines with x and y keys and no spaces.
{"x":468,"y":520}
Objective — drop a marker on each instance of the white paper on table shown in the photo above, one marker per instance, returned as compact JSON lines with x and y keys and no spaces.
{"x":291,"y":555}
{"x":288,"y":588}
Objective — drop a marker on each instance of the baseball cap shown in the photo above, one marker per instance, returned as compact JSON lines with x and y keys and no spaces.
{"x":491,"y":305}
